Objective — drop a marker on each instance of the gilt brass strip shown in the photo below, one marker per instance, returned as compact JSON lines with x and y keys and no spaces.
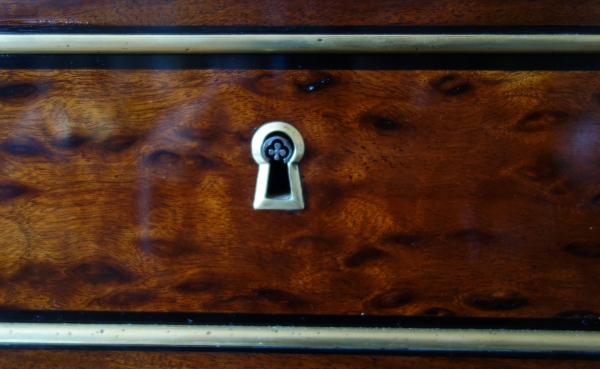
{"x":314,"y":43}
{"x":297,"y":337}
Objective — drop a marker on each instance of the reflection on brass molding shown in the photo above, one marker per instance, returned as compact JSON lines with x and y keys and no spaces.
{"x":226,"y":44}
{"x":297,"y":337}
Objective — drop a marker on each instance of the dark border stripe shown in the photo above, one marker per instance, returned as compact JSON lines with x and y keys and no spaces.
{"x":98,"y":317}
{"x":504,"y":30}
{"x":547,"y":356}
{"x":507,"y":62}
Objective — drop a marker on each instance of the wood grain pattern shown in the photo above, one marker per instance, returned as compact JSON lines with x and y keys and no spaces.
{"x":23,"y":359}
{"x":428,"y":192}
{"x":298,"y":12}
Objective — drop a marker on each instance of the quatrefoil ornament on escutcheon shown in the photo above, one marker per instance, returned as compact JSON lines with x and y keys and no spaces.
{"x":277,"y":148}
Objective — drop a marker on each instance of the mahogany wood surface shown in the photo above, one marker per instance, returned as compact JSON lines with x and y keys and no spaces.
{"x":299,"y":13}
{"x":65,"y":359}
{"x":466,"y":193}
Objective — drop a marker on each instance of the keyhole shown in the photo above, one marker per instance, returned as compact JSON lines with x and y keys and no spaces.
{"x":279,"y":182}
{"x":277,"y":147}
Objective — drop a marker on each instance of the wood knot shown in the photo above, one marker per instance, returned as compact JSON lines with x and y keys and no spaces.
{"x":18,"y":92}
{"x":392,"y":299}
{"x":9,"y":191}
{"x":584,"y":249}
{"x":23,"y":146}
{"x":320,"y":83}
{"x":364,"y":256}
{"x":384,"y":120}
{"x":542,"y":120}
{"x":497,"y":300}
{"x":118,"y":143}
{"x":451,"y":85}
{"x":473,"y":235}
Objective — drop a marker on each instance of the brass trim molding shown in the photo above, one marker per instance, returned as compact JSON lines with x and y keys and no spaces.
{"x":314,"y":43}
{"x":297,"y":337}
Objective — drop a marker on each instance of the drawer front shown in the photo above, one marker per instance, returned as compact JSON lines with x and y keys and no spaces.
{"x":445,"y":193}
{"x":449,"y":201}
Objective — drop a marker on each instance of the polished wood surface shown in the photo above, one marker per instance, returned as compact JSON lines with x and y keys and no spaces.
{"x":299,"y":13}
{"x":23,"y":359}
{"x":428,"y":192}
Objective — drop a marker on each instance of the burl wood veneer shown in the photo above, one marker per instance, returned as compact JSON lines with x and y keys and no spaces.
{"x":428,"y":192}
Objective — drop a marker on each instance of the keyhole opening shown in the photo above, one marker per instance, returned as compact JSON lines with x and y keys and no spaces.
{"x":278,"y":187}
{"x":279,"y":181}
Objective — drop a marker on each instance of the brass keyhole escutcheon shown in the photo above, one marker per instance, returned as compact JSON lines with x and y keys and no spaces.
{"x":277,"y":147}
